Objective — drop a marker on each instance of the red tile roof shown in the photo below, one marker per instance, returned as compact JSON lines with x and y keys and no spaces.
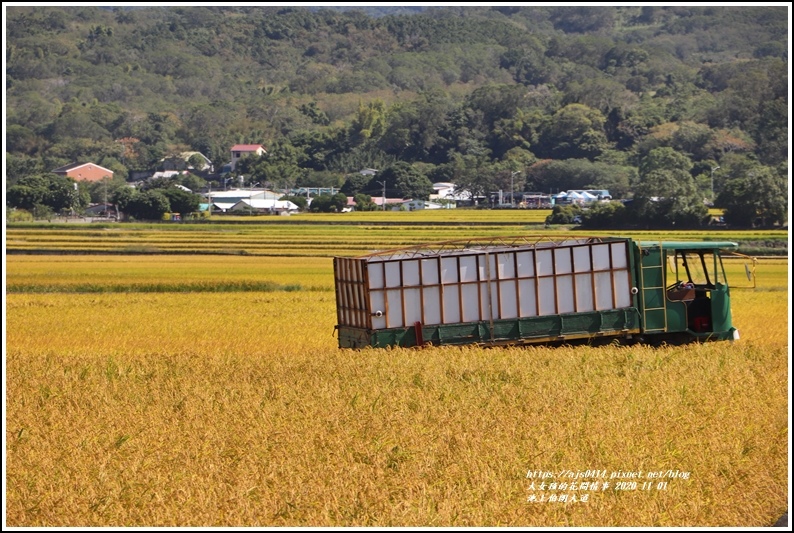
{"x":66,"y":168}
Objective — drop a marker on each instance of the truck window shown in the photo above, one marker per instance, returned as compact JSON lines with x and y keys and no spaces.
{"x":694,"y":266}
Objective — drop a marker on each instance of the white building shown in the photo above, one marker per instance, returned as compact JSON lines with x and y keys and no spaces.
{"x":272,"y":207}
{"x":416,"y":205}
{"x":447,"y":191}
{"x":226,"y":200}
{"x":443,"y":190}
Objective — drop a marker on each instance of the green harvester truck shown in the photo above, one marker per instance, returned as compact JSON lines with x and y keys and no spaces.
{"x":535,"y":290}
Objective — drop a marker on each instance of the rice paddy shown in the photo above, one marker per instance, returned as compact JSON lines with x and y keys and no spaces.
{"x":323,"y":235}
{"x":190,"y":389}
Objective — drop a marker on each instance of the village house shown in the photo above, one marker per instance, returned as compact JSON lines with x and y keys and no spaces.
{"x":241,"y":150}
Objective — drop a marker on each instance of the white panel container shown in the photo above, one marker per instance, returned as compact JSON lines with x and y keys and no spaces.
{"x":480,"y":283}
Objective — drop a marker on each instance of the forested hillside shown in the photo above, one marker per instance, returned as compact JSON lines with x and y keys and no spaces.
{"x":643,"y":101}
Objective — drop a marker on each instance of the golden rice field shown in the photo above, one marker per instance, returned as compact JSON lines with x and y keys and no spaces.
{"x":139,"y":395}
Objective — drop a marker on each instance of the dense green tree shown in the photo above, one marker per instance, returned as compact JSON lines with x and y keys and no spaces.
{"x":123,"y":198}
{"x":316,"y":115}
{"x":527,"y":63}
{"x":683,"y":210}
{"x":414,"y":129}
{"x":22,"y":196}
{"x":572,"y":132}
{"x":473,"y":176}
{"x":662,"y":159}
{"x":21,"y":139}
{"x":755,"y":196}
{"x":279,"y":168}
{"x":146,"y":205}
{"x":326,"y":203}
{"x":583,"y":19}
{"x":364,"y":203}
{"x":19,"y":166}
{"x":76,"y":122}
{"x":518,"y":159}
{"x":602,"y":94}
{"x":366,"y":155}
{"x":404,"y":181}
{"x":692,"y":139}
{"x":318,"y":147}
{"x":113,"y":164}
{"x":666,"y":195}
{"x":355,"y":182}
{"x":324,"y":179}
{"x":181,"y":201}
{"x":57,"y":193}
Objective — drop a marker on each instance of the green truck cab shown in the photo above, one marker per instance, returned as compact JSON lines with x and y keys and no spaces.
{"x":683,"y":291}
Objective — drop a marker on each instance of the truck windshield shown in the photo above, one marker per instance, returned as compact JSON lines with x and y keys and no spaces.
{"x":693,"y":267}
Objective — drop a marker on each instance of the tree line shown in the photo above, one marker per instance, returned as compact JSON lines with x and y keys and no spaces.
{"x":563,"y":97}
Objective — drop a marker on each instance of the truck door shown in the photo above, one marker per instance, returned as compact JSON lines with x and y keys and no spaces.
{"x":720,"y":299}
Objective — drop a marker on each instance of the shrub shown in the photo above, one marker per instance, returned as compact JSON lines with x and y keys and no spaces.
{"x":20,"y":215}
{"x":563,"y":214}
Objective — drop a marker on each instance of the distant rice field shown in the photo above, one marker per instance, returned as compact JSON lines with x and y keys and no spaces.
{"x":328,"y":235}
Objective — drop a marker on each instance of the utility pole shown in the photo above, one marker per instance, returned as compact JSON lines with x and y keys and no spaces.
{"x":712,"y":183}
{"x":383,"y":197}
{"x":511,"y":186}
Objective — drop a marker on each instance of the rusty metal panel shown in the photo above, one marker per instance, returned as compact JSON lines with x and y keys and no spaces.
{"x":351,"y":292}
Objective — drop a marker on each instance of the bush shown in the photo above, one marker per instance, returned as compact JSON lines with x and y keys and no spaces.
{"x":364,"y":203}
{"x":563,"y":214}
{"x":20,"y":215}
{"x":41,"y":211}
{"x":605,"y":215}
